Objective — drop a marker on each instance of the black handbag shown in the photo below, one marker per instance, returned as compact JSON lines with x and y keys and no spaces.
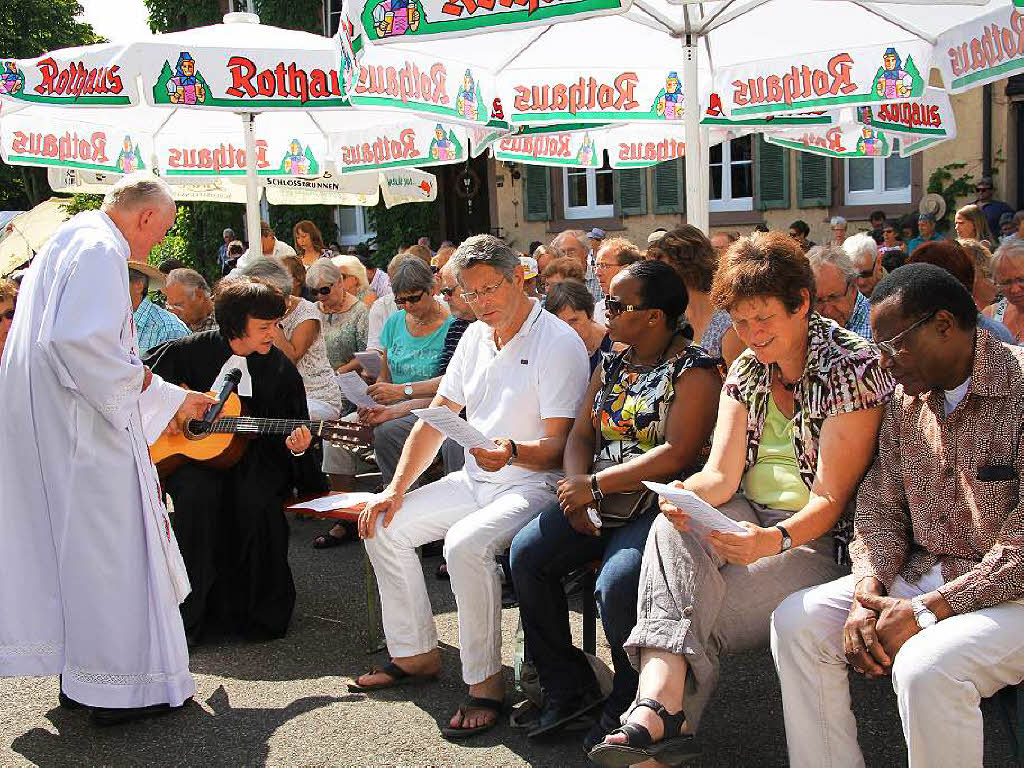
{"x":618,"y":509}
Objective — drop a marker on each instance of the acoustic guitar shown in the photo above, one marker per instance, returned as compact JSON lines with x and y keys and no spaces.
{"x":222,"y":444}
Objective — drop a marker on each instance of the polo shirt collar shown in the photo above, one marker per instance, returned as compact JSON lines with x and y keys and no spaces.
{"x":524,"y":329}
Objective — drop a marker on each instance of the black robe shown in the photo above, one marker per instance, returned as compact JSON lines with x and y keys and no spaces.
{"x":230,"y":524}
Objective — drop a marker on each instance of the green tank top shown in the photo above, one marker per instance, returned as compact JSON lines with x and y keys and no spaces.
{"x":774,"y":480}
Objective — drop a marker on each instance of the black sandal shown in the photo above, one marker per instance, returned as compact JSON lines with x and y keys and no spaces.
{"x":474,"y":702}
{"x":399,"y":678}
{"x":672,"y":749}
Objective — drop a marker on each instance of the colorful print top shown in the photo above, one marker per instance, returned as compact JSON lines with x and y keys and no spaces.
{"x":632,"y":412}
{"x":843,"y":375}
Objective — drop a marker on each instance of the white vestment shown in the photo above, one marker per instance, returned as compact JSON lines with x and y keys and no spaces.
{"x":92,"y":576}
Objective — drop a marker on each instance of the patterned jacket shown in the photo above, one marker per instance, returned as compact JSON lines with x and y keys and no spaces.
{"x":843,"y":375}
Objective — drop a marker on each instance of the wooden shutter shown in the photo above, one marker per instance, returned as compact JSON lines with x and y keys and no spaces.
{"x":669,"y":187}
{"x":771,"y":175}
{"x":537,"y":190}
{"x":813,"y":180}
{"x":630,"y":191}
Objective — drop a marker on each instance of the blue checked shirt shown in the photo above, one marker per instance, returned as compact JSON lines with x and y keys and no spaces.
{"x":155,"y":325}
{"x":860,"y":320}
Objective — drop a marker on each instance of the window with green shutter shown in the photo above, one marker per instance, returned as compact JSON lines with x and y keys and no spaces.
{"x":771,"y":176}
{"x":813,"y":180}
{"x":537,"y":191}
{"x":669,"y":187}
{"x":630,"y":191}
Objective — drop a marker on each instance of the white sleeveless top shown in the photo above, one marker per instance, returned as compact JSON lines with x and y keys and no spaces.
{"x":316,"y":371}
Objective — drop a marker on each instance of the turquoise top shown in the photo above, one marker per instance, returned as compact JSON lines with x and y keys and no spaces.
{"x":412,"y":358}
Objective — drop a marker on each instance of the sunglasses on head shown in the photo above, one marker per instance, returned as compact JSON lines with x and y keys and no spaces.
{"x":401,"y":300}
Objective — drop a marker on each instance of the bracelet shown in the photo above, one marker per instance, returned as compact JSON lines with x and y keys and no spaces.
{"x":300,"y":453}
{"x":595,"y":489}
{"x":515,"y":453}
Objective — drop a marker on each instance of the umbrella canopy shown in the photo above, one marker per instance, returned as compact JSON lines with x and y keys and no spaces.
{"x":396,"y":185}
{"x":238,"y":99}
{"x":27,"y":232}
{"x":660,"y":60}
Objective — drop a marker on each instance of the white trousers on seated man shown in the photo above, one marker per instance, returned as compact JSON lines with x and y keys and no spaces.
{"x":477,"y":521}
{"x":940,"y":676}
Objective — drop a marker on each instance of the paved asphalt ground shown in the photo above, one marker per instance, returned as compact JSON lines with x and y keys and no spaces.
{"x":285,"y":702}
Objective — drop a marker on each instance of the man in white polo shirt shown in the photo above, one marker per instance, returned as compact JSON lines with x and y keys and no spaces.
{"x":520,"y":373}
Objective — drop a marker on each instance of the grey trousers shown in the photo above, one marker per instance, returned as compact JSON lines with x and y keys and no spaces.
{"x":692,"y":604}
{"x":389,"y":439}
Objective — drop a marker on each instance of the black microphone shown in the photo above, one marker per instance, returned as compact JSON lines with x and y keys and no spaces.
{"x":231,"y":380}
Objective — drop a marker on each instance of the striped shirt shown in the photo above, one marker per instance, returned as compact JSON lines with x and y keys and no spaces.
{"x":451,"y":341}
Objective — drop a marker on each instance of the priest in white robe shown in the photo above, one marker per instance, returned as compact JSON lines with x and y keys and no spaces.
{"x":92,"y":577}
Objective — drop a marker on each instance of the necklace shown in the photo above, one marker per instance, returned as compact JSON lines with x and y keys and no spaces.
{"x":789,"y":386}
{"x":429,"y":318}
{"x":661,"y":357}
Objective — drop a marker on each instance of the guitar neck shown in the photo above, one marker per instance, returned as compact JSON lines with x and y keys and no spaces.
{"x":249,"y":425}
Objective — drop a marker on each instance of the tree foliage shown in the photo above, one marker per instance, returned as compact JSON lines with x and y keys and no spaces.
{"x":174,"y":15}
{"x":30,"y":28}
{"x":401,"y":226}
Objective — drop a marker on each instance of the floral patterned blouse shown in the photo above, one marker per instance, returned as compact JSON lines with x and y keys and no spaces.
{"x":843,"y":375}
{"x":345,"y":333}
{"x":632,"y":413}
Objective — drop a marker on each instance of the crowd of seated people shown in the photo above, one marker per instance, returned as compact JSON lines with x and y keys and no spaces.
{"x":851,"y":405}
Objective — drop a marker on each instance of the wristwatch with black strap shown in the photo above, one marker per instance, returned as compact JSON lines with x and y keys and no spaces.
{"x":787,"y":541}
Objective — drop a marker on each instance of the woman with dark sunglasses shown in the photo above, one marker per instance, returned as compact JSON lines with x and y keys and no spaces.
{"x":345,"y":316}
{"x":8,"y":298}
{"x":647,"y":415}
{"x":412,"y":341}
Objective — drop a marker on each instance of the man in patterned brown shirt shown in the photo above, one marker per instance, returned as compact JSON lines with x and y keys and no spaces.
{"x":938,"y":559}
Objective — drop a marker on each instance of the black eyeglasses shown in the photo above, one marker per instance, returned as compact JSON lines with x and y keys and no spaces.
{"x":8,"y":315}
{"x":402,"y":300}
{"x":323,"y":290}
{"x":867,"y":273}
{"x":614,"y":307}
{"x":891,"y":346}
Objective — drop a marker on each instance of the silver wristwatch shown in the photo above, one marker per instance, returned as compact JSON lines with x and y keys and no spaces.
{"x":922,"y":615}
{"x":408,"y":390}
{"x":787,"y":541}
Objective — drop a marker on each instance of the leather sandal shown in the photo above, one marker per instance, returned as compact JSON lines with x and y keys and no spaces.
{"x":672,"y":749}
{"x":474,"y":702}
{"x":399,"y":677}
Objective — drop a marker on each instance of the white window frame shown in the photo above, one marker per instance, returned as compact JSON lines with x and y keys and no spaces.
{"x":727,"y":202}
{"x":878,"y":193}
{"x":362,"y":232}
{"x":591,"y":210}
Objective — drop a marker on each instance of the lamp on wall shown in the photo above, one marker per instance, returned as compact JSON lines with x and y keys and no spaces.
{"x":513,"y":169}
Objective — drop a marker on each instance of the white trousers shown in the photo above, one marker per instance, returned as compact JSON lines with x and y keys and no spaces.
{"x":477,"y":521}
{"x":940,"y":676}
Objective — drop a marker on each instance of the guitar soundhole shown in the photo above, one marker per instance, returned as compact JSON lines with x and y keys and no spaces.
{"x":196,"y":429}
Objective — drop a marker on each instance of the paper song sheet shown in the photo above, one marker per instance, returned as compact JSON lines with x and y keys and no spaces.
{"x":703,"y":517}
{"x":354,"y":390}
{"x":335,"y":501}
{"x":370,"y":360}
{"x":447,"y":422}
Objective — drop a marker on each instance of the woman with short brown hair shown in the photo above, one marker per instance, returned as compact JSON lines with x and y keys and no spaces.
{"x":797,"y":427}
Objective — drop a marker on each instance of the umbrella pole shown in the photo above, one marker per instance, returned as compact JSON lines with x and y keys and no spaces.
{"x":696,"y":165}
{"x":252,"y":183}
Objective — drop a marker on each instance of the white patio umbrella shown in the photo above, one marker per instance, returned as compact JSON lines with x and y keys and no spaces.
{"x":656,"y":60}
{"x":238,"y":99}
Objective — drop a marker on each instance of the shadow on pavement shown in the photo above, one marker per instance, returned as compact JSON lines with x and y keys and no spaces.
{"x":227,"y":736}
